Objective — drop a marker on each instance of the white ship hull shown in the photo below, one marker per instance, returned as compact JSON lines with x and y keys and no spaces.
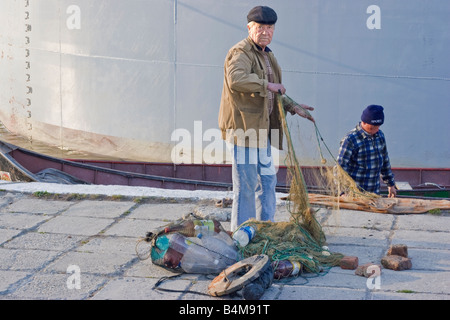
{"x":135,"y":79}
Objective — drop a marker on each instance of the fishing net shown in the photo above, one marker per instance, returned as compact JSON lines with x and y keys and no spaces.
{"x":290,"y":241}
{"x":328,"y":179}
{"x":302,"y":239}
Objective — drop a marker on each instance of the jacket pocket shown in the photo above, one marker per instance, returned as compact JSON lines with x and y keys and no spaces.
{"x":251,"y":110}
{"x":253,"y":121}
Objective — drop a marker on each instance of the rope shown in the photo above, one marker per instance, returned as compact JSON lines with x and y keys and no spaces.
{"x":162,"y":279}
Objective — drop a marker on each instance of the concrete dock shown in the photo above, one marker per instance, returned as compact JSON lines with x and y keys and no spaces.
{"x":58,"y":242}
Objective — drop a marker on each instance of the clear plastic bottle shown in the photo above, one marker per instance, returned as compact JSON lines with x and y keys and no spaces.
{"x":209,"y":254}
{"x":226,"y":237}
{"x":178,"y":242}
{"x":286,"y":268}
{"x":222,"y":235}
{"x":244,"y":235}
{"x":218,"y":244}
{"x":199,"y":259}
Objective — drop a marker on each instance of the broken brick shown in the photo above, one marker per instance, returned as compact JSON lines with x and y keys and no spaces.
{"x":398,"y":250}
{"x":396,"y":263}
{"x":349,"y":263}
{"x":362,"y":269}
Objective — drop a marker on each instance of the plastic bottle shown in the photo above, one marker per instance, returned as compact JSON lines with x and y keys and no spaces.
{"x":190,"y":228}
{"x":178,"y":242}
{"x":226,"y":237}
{"x":244,"y":235}
{"x":286,"y":268}
{"x":222,"y":235}
{"x":168,"y":250}
{"x":217,"y":244}
{"x":207,"y":254}
{"x":198,"y":259}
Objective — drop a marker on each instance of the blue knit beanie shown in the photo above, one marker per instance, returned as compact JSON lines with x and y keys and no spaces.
{"x":373,"y":115}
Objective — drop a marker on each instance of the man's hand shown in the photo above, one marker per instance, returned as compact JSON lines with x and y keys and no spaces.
{"x":276,"y":87}
{"x":302,"y":113}
{"x":304,"y":106}
{"x":392,"y":191}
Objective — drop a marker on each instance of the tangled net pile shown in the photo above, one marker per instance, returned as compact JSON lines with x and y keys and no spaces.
{"x":302,"y":238}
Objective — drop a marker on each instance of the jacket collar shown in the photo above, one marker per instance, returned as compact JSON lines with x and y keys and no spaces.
{"x":267,"y":49}
{"x":364,"y":134}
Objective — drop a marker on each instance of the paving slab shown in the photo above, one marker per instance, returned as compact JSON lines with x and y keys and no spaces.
{"x":44,"y":241}
{"x":99,"y":209}
{"x":419,"y":281}
{"x":136,"y":228}
{"x":54,"y":286}
{"x":140,"y":289}
{"x":423,"y":222}
{"x":24,"y":259}
{"x":359,"y":219}
{"x":430,"y":259}
{"x":86,"y":249}
{"x":21,"y":220}
{"x":364,"y":253}
{"x":101,"y":263}
{"x":9,"y":278}
{"x":75,"y":225}
{"x":162,"y":211}
{"x":359,"y":236}
{"x":422,"y":238}
{"x":8,"y":234}
{"x":320,"y":293}
{"x":37,"y":206}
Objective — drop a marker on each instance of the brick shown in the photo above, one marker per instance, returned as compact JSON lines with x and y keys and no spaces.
{"x":349,"y":263}
{"x":362,"y":269}
{"x":396,"y":263}
{"x":398,"y":250}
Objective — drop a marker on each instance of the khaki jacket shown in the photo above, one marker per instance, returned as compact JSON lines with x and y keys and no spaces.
{"x":243,"y":117}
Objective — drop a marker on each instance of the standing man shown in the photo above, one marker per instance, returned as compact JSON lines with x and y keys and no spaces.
{"x":363,"y":153}
{"x":250,"y":120}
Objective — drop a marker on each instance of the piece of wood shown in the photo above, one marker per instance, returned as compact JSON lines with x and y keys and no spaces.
{"x":381,"y":205}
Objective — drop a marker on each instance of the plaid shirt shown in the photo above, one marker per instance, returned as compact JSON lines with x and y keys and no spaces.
{"x":365,"y":158}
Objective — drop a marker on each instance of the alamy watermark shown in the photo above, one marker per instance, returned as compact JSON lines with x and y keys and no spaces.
{"x":207,"y":146}
{"x":74,"y":280}
{"x":374,"y":280}
{"x":73,"y":21}
{"x":374,"y":20}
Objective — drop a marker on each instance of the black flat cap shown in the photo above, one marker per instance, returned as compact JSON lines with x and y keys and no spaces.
{"x":263,"y":15}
